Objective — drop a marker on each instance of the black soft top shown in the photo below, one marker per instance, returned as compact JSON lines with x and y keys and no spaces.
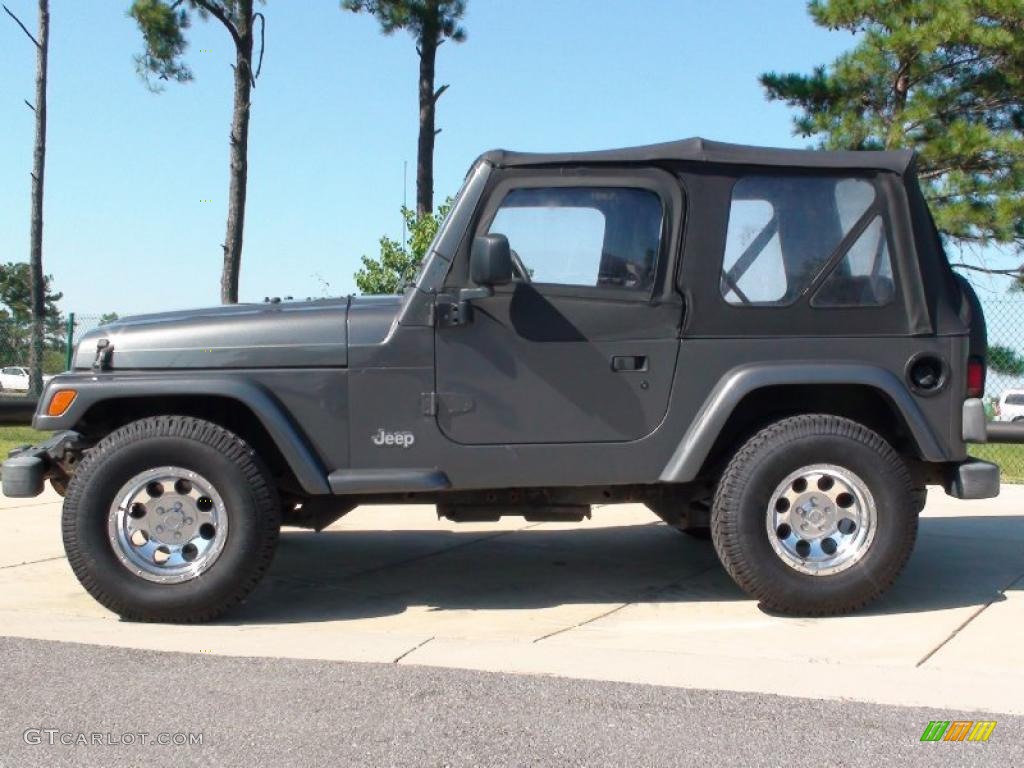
{"x":704,"y":151}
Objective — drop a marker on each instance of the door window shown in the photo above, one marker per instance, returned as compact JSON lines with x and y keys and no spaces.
{"x":583,"y":236}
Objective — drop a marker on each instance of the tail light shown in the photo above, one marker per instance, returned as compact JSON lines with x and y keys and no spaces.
{"x":975,"y":377}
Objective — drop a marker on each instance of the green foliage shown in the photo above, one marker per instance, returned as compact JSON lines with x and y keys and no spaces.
{"x":942,"y":77}
{"x":437,"y":18}
{"x":108,"y":317}
{"x":16,"y":292}
{"x":16,"y":314}
{"x":1005,"y":360}
{"x":398,"y":262}
{"x":163,"y":24}
{"x":54,"y":361}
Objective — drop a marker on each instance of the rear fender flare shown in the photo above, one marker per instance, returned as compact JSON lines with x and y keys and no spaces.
{"x":693,"y":449}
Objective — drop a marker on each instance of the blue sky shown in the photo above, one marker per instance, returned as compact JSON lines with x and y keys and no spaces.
{"x":334,"y":117}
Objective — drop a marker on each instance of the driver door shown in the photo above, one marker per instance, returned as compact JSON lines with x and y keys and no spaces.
{"x":581,"y":346}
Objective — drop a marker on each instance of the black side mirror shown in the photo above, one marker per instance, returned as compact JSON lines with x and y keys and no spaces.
{"x":490,"y":260}
{"x":490,"y":264}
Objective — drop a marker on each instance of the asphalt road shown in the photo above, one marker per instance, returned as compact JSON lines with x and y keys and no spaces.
{"x":275,"y":712}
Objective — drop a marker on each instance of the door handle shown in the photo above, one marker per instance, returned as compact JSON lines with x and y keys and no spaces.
{"x":629,"y":362}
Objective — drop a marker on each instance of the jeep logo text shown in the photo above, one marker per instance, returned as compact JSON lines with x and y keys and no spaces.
{"x":403,"y":439}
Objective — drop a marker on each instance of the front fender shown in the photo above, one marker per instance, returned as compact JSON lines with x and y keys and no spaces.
{"x":93,"y":389}
{"x":696,"y":444}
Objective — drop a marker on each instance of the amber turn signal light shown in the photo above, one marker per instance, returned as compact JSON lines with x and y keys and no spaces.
{"x":60,"y":402}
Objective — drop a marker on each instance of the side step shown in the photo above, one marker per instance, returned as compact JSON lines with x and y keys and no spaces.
{"x":491,"y":513}
{"x":348,"y":481}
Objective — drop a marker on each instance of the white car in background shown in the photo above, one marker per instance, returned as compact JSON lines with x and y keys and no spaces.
{"x":1010,"y":406}
{"x":15,"y":378}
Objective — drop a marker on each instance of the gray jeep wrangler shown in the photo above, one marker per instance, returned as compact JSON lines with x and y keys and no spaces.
{"x":766,"y":347}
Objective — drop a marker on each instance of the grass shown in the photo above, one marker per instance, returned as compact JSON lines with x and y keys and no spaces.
{"x":13,"y":437}
{"x":1010,"y":459}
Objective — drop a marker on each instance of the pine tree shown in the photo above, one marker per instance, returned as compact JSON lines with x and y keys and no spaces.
{"x":942,"y":77}
{"x":163,"y":26}
{"x":18,"y":329}
{"x":36,"y":282}
{"x":430,"y":22}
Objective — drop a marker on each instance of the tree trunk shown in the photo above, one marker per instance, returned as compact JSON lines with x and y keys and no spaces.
{"x":425,"y":149}
{"x":35,"y":359}
{"x":239,"y":160}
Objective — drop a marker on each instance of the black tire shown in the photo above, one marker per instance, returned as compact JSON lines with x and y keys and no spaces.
{"x":227,"y":462}
{"x":739,"y":523}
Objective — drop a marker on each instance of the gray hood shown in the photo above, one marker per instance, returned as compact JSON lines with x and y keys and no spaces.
{"x":289,"y":334}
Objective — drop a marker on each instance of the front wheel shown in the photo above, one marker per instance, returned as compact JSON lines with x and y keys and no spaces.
{"x":815,"y":515}
{"x":170,"y":519}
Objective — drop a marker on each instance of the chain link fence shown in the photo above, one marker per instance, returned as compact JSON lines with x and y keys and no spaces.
{"x":1004,"y":384}
{"x":79,"y":325}
{"x":59,"y":338}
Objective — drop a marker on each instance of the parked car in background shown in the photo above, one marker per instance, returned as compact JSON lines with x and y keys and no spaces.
{"x":16,"y":378}
{"x":1010,"y":406}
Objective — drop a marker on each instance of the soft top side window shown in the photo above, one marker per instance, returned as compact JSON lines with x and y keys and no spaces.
{"x":583,"y":236}
{"x":863,"y":278}
{"x":784,"y":231}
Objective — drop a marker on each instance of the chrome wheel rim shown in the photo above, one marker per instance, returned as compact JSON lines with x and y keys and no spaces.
{"x":168,"y":524}
{"x":821,"y":519}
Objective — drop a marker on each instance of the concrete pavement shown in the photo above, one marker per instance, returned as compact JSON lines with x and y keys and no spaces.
{"x":618,"y":598}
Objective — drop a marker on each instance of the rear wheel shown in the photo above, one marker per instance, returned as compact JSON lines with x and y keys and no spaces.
{"x":170,"y":519}
{"x":815,"y":515}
